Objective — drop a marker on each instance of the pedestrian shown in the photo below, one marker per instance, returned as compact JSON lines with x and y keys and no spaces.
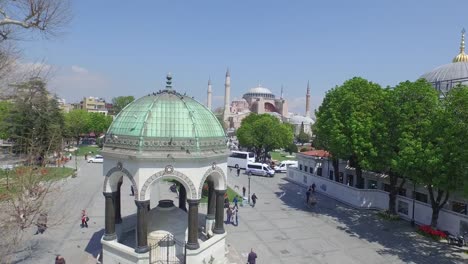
{"x":84,"y":219}
{"x":309,"y":191}
{"x":238,"y":171}
{"x":132,"y":190}
{"x":313,"y":187}
{"x":254,"y":199}
{"x":86,"y":156}
{"x":41,"y":223}
{"x":252,"y":257}
{"x":243,"y":191}
{"x":226,"y":201}
{"x":229,"y":214}
{"x":59,"y":260}
{"x":70,"y":156}
{"x":235,"y":200}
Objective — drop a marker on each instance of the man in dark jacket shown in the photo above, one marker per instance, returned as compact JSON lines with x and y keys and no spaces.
{"x":252,"y":257}
{"x":254,"y":199}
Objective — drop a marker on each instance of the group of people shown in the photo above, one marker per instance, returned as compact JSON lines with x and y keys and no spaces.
{"x":232,"y":213}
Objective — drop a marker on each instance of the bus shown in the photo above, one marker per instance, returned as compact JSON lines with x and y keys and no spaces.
{"x":239,"y":159}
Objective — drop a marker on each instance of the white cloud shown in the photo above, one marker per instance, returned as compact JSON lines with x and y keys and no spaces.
{"x":78,"y":69}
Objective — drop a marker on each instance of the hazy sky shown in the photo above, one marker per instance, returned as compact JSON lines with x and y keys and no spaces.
{"x":117,"y":48}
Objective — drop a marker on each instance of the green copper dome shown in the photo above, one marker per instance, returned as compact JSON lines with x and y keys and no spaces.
{"x":166,"y":122}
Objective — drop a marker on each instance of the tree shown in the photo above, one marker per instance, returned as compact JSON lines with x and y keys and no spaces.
{"x":303,"y":137}
{"x":291,"y":148}
{"x":77,"y":123}
{"x":98,"y":123}
{"x":263,"y":133}
{"x":5,"y":109}
{"x":119,"y":103}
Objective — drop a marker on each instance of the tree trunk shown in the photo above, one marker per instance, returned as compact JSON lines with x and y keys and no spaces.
{"x":437,"y":203}
{"x":336,"y":168}
{"x":392,"y":195}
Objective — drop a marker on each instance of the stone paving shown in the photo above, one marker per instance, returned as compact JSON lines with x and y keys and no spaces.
{"x":281,"y":228}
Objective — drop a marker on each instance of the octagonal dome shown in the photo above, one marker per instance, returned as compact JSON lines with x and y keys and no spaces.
{"x":166,"y":122}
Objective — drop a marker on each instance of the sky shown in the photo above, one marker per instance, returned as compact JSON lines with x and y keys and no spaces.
{"x":113,"y":48}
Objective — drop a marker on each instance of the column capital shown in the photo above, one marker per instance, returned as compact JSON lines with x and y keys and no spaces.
{"x":109,"y":194}
{"x":142,"y":204}
{"x":220,"y":192}
{"x":193,"y":202}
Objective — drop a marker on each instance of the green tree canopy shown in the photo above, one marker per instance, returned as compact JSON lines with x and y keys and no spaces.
{"x":303,"y":137}
{"x":77,"y":123}
{"x":119,"y":103}
{"x":5,"y":109}
{"x":98,"y":123}
{"x":263,"y":133}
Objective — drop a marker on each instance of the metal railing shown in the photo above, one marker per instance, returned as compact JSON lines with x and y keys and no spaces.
{"x":168,"y":250}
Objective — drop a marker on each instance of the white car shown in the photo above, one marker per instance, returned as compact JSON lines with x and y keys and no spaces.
{"x":96,"y":159}
{"x":261,"y":169}
{"x":284,"y":165}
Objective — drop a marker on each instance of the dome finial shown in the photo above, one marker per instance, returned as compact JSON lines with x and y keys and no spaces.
{"x":461,"y":57}
{"x":169,"y":81}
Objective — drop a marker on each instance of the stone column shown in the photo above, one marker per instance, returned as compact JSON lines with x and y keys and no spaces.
{"x":182,"y":198}
{"x":142,"y":226}
{"x":192,"y":241}
{"x":219,"y":224}
{"x":109,"y":233}
{"x":118,"y":215}
{"x":211,"y":201}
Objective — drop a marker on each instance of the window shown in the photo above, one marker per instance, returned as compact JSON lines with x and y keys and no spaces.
{"x":330,"y":175}
{"x":403,"y":207}
{"x":459,"y":207}
{"x":238,"y":155}
{"x":305,"y":168}
{"x":350,"y":179}
{"x":340,"y":179}
{"x":420,"y":197}
{"x":319,"y":171}
{"x":311,"y":170}
{"x":304,"y":179}
{"x":402,"y":192}
{"x":300,"y":166}
{"x":371,"y":184}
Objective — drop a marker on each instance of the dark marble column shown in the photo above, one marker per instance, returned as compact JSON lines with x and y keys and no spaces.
{"x":182,"y":198}
{"x":192,"y":242}
{"x":142,"y":226}
{"x":118,"y":215}
{"x":109,"y":233}
{"x":219,"y":224}
{"x":211,"y":202}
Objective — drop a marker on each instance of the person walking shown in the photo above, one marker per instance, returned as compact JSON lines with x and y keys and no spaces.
{"x":132,"y":190}
{"x":243,"y":191}
{"x":238,"y":171}
{"x":59,"y":260}
{"x":313,"y":187}
{"x":309,"y":191}
{"x":41,"y":223}
{"x":235,"y":200}
{"x":84,"y":219}
{"x":229,"y":214}
{"x":254,"y":199}
{"x":252,"y":257}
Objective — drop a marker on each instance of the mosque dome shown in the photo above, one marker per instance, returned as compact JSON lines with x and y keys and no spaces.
{"x":298,"y":119}
{"x":259,"y":92}
{"x":167,"y":123}
{"x":444,"y":77}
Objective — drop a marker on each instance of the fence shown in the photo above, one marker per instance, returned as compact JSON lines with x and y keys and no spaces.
{"x":168,"y":251}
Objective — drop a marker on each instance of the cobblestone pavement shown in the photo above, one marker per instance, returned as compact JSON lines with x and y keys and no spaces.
{"x":282,"y":228}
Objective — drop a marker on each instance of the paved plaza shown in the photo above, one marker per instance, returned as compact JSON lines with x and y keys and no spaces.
{"x":281,"y":228}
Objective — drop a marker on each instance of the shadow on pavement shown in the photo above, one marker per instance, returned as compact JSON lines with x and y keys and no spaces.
{"x":397,"y":238}
{"x":94,"y":245}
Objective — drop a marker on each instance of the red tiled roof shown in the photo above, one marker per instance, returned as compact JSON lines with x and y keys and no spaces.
{"x":316,"y":153}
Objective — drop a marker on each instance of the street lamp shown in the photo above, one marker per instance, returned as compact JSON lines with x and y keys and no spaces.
{"x":249,"y":187}
{"x":414,"y":198}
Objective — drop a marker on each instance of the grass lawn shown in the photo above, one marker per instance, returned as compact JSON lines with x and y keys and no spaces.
{"x":82,"y":150}
{"x":280,"y":156}
{"x":230,"y":192}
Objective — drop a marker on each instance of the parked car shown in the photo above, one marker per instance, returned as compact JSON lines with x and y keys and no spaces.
{"x":284,"y":165}
{"x":96,"y":159}
{"x":261,"y":169}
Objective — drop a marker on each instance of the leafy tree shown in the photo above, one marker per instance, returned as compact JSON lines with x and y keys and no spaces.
{"x":263,"y":133}
{"x":5,"y":108}
{"x":303,"y":137}
{"x":77,"y":123}
{"x":98,"y":123}
{"x":291,"y":148}
{"x":119,"y":103}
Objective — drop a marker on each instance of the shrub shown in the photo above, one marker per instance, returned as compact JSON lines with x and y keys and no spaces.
{"x":304,"y":149}
{"x":427,"y":230}
{"x":387,"y":216}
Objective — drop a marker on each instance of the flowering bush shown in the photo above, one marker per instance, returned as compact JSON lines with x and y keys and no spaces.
{"x":427,"y":230}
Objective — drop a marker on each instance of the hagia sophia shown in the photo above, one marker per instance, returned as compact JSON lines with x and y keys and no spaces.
{"x":260,"y":100}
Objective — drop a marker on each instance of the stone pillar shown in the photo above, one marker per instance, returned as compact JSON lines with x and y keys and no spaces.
{"x":109,"y":233}
{"x":142,"y":226}
{"x":210,"y":214}
{"x":219,"y":224}
{"x":182,"y":198}
{"x":118,"y":215}
{"x":192,"y":241}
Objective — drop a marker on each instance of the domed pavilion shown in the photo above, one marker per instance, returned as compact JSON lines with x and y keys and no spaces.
{"x":444,"y":77}
{"x":165,"y":135}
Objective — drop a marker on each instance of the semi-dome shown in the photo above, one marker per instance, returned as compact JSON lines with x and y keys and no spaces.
{"x":169,"y":123}
{"x":444,"y":77}
{"x":259,"y":92}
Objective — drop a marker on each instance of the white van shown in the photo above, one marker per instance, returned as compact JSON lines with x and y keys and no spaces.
{"x":239,"y":159}
{"x":284,"y":165}
{"x":261,"y":169}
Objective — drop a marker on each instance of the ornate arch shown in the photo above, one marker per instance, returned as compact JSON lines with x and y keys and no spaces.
{"x":214,"y":170}
{"x":169,"y":172}
{"x":119,"y":168}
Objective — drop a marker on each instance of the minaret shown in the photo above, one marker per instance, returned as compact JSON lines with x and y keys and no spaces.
{"x":307,"y":114}
{"x":227,"y":93}
{"x":208,"y":100}
{"x":281,"y":92}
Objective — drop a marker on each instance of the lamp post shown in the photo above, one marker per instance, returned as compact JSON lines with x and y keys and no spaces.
{"x":414,"y":198}
{"x":76,"y":164}
{"x":249,"y":188}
